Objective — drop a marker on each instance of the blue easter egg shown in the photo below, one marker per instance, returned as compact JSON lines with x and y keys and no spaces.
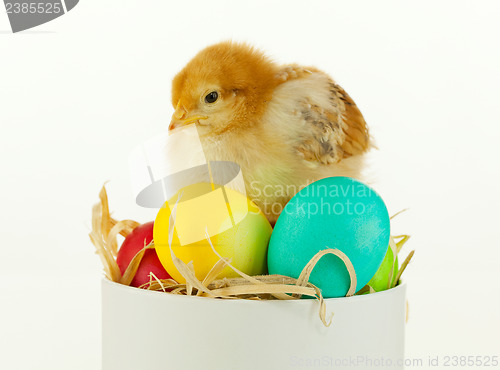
{"x":336,"y":212}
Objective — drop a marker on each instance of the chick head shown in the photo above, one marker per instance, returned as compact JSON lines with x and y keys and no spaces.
{"x":225,"y":87}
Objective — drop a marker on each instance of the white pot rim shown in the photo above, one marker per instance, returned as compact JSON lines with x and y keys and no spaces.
{"x":168,"y":296}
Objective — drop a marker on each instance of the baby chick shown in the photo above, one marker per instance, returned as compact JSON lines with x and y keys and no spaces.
{"x":284,"y":125}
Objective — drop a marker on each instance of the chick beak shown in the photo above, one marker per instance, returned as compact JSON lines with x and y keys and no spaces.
{"x":180,"y":118}
{"x":174,"y":123}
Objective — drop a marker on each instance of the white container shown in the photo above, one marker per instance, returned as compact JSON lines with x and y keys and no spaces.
{"x":147,"y":330}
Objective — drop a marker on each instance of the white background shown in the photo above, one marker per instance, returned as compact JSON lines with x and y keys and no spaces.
{"x":77,"y":94}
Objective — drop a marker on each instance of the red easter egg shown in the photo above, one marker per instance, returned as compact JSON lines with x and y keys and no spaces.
{"x":141,"y":236}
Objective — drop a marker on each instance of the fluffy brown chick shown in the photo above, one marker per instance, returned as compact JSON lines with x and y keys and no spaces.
{"x":284,"y":125}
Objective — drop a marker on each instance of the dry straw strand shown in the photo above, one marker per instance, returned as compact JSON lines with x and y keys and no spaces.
{"x":306,"y":272}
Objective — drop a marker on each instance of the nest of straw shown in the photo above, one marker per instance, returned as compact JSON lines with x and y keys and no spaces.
{"x":104,"y":236}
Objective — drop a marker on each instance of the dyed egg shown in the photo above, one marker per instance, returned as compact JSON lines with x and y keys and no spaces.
{"x":238,"y":230}
{"x":336,"y":212}
{"x":380,"y":281}
{"x":141,"y":236}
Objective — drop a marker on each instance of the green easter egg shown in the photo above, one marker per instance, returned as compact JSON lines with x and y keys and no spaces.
{"x":380,"y":280}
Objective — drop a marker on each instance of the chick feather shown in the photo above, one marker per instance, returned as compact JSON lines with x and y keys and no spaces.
{"x":284,"y":125}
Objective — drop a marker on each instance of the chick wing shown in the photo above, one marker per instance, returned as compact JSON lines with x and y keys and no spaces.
{"x":322,"y":122}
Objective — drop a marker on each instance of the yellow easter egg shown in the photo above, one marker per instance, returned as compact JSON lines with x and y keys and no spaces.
{"x":237,"y":228}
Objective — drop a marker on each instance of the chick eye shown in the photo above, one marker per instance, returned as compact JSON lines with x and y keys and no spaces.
{"x":211,"y":97}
